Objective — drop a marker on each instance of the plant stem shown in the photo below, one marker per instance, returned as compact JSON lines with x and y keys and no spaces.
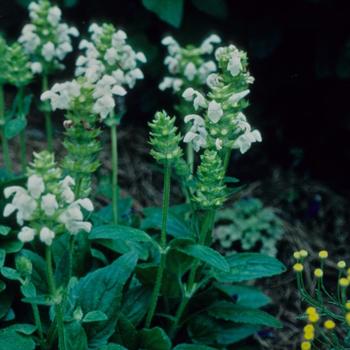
{"x":190,"y":156}
{"x":22,"y":135}
{"x":227,"y":159}
{"x":47,"y":112}
{"x":207,"y":227}
{"x":39,"y":326}
{"x":163,"y":245}
{"x":4,"y":141}
{"x":115,"y":188}
{"x":53,"y":292}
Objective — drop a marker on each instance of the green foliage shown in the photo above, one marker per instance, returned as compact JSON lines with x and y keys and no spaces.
{"x":170,"y":11}
{"x":251,"y":224}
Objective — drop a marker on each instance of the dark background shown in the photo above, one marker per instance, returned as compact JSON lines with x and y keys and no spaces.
{"x":299,"y":54}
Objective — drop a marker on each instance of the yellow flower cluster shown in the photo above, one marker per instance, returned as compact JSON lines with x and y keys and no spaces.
{"x":312,"y":314}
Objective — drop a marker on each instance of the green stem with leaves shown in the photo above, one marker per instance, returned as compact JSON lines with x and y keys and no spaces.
{"x":38,"y":325}
{"x":115,"y":188}
{"x":4,"y":141}
{"x":47,"y":112}
{"x":163,"y":246}
{"x":58,"y":305}
{"x":190,"y":286}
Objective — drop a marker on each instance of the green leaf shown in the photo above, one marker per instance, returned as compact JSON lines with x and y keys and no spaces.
{"x":113,"y":347}
{"x":101,"y":290}
{"x":216,"y":8}
{"x":94,"y":316}
{"x":5,"y":304}
{"x":170,"y":11}
{"x":39,"y":300}
{"x":4,"y":230}
{"x":135,"y":303}
{"x":154,"y":339}
{"x":206,"y":255}
{"x":205,"y":330}
{"x":10,"y":274}
{"x":176,"y":227}
{"x":13,"y":339}
{"x":249,"y":266}
{"x":192,"y":347}
{"x":126,"y":333}
{"x":244,"y":295}
{"x":227,"y":311}
{"x":2,"y":286}
{"x":14,"y":126}
{"x":2,"y":257}
{"x":75,"y":336}
{"x":119,"y":232}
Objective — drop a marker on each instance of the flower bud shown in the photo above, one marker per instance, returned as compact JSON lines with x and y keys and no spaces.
{"x":23,"y":265}
{"x":164,"y":138}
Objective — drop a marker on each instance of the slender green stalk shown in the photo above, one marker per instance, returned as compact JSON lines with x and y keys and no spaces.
{"x":227,"y":159}
{"x":163,"y":245}
{"x":207,"y":227}
{"x":115,"y":188}
{"x":4,"y":141}
{"x":48,"y":120}
{"x":53,"y":292}
{"x":190,"y":156}
{"x":38,"y":325}
{"x":22,"y":135}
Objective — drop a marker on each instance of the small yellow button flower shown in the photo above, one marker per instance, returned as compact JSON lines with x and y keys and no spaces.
{"x":296,"y":255}
{"x":318,"y":273}
{"x":329,"y":324}
{"x":309,"y":336}
{"x":323,"y":254}
{"x":344,"y":282}
{"x":311,"y":310}
{"x":341,"y":264}
{"x":298,"y":267}
{"x":347,"y":318}
{"x":305,"y":345}
{"x":313,"y":318}
{"x":347,"y":305}
{"x":303,"y":253}
{"x":309,"y":328}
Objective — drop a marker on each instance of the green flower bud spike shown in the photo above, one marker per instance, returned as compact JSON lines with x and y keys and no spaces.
{"x":165,"y":139}
{"x":165,"y":149}
{"x":210,"y":192}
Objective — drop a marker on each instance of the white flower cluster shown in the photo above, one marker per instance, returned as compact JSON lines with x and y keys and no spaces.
{"x":46,"y":39}
{"x":188,"y":65}
{"x":234,"y":131}
{"x":47,"y":213}
{"x":108,"y":53}
{"x":67,"y":95}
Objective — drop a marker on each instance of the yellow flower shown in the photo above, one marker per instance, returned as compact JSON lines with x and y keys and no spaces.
{"x":296,"y":255}
{"x":341,"y":264}
{"x":305,"y":345}
{"x":311,"y":310}
{"x":329,"y":324}
{"x":348,"y":271}
{"x":298,"y":267}
{"x":347,"y":305}
{"x":323,"y":254}
{"x":347,"y":318}
{"x":344,"y":282}
{"x":318,"y":273}
{"x":313,"y":318}
{"x":309,"y":328}
{"x":303,"y":253}
{"x":309,"y":336}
